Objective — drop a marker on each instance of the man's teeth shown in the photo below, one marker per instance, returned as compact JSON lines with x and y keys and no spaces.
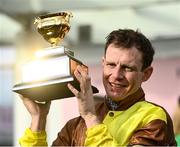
{"x":116,"y":85}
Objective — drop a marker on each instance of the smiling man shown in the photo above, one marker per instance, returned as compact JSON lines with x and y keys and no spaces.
{"x":125,"y":117}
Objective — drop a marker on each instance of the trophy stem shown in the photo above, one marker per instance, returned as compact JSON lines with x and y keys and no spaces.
{"x":55,"y":42}
{"x":53,"y":45}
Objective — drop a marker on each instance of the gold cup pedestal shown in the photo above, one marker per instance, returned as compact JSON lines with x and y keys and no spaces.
{"x":46,"y":77}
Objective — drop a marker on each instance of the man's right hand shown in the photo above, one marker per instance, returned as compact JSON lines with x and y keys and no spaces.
{"x":38,"y":112}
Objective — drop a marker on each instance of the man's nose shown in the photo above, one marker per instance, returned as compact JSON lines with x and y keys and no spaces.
{"x":118,"y":73}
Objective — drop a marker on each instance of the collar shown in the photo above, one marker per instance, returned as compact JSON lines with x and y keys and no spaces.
{"x":125,"y":103}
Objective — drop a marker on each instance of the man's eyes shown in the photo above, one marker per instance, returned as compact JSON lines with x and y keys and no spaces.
{"x":110,"y":64}
{"x":128,"y":68}
{"x":123,"y":67}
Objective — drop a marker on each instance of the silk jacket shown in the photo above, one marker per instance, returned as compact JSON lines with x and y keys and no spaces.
{"x":134,"y":122}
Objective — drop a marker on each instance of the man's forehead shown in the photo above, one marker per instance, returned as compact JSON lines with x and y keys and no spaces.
{"x":120,"y":51}
{"x":130,"y":56}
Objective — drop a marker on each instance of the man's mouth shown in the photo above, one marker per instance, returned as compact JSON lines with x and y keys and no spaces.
{"x":116,"y":85}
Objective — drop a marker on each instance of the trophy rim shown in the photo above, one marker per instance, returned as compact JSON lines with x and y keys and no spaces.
{"x":54,"y":14}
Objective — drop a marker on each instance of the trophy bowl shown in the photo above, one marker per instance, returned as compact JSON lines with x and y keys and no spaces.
{"x":53,"y":27}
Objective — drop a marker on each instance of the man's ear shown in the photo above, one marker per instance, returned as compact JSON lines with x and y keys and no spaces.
{"x":147,"y":73}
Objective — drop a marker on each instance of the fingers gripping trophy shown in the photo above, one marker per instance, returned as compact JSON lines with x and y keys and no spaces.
{"x":46,"y":77}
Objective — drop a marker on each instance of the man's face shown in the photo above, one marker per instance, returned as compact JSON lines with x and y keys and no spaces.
{"x":122,"y":75}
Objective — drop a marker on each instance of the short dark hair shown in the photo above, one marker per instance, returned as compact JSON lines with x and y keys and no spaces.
{"x":128,"y":38}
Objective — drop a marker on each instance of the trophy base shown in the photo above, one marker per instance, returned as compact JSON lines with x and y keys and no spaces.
{"x":49,"y":90}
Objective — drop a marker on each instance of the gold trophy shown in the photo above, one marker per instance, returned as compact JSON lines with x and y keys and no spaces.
{"x":46,"y":77}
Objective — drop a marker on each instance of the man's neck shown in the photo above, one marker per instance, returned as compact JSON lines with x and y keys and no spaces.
{"x":127,"y":102}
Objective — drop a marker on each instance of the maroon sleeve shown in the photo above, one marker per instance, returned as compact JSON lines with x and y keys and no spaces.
{"x":155,"y":133}
{"x":71,"y":134}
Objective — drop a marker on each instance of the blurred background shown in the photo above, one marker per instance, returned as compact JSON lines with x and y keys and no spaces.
{"x":92,"y":21}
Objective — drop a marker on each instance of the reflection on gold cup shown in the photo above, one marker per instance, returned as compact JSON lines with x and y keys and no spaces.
{"x":53,"y":27}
